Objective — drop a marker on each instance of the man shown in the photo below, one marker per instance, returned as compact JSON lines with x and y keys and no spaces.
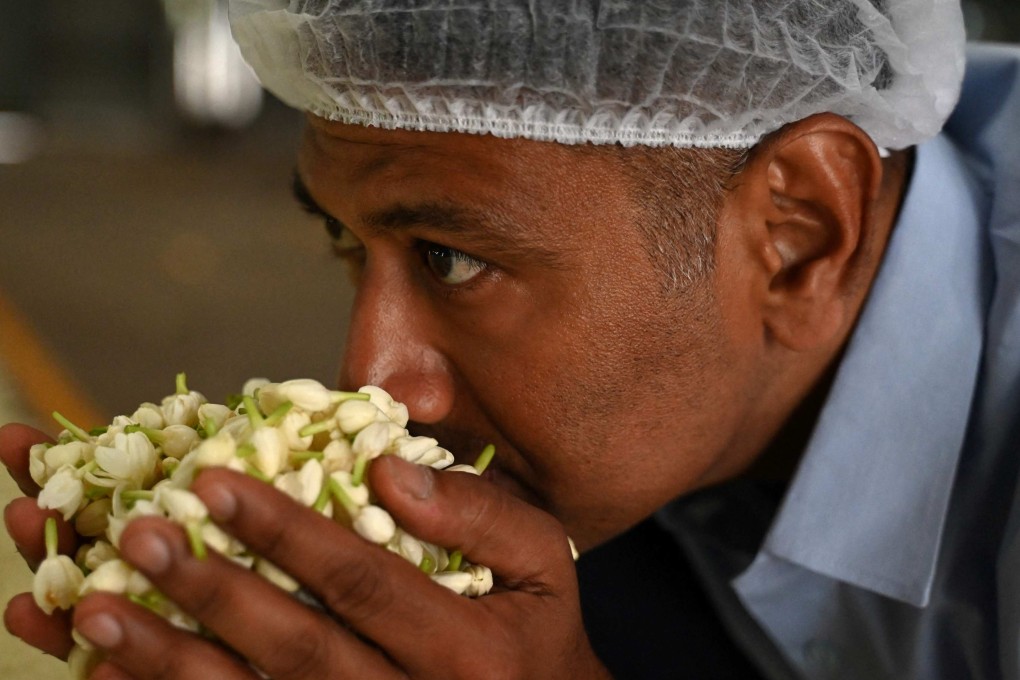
{"x":640,"y":331}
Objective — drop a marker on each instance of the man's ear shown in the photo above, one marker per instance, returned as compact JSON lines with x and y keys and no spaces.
{"x":806,"y":205}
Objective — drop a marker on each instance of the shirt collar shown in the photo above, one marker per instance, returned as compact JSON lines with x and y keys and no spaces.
{"x":869,"y":499}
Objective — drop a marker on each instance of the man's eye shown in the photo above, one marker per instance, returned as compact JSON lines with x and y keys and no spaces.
{"x":450,"y":265}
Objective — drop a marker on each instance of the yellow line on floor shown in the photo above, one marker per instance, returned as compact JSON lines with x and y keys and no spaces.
{"x":42,"y":382}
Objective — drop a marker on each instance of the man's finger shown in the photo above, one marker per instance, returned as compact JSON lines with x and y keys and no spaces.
{"x":15,"y":441}
{"x":50,"y":633}
{"x":520,"y":543}
{"x":283,"y":637}
{"x":379,"y":594}
{"x":146,"y":646}
{"x":26,"y":524}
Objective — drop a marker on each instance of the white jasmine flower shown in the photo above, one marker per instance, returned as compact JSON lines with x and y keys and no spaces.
{"x":73,"y":454}
{"x":37,"y":463}
{"x":215,"y":451}
{"x":291,"y":425}
{"x":150,"y":416}
{"x":178,"y":440}
{"x":132,"y":458}
{"x":56,"y":582}
{"x":372,"y":441}
{"x":394,"y":410}
{"x":457,"y":581}
{"x":64,"y":492}
{"x":109,"y":577}
{"x":413,"y":448}
{"x":271,"y":450}
{"x":182,"y":409}
{"x":481,"y":580}
{"x":98,"y":553}
{"x":302,"y":485}
{"x":353,"y":415}
{"x":218,"y":414}
{"x":359,"y":495}
{"x":180,"y":505}
{"x":470,"y":469}
{"x":82,"y":661}
{"x":253,"y":385}
{"x":337,"y":455}
{"x":307,"y":395}
{"x":437,"y":457}
{"x":375,"y":525}
{"x":407,"y":546}
{"x":239,"y":428}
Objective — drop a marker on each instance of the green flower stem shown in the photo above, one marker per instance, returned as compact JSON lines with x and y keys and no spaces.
{"x":277,"y":416}
{"x":194,"y":531}
{"x":301,"y":456}
{"x":182,"y":384}
{"x":337,"y":489}
{"x":427,"y":564}
{"x":245,"y":450}
{"x":76,"y":432}
{"x":484,"y":458}
{"x":313,"y":429}
{"x":323,"y":497}
{"x":456,"y":557}
{"x":155,"y":436}
{"x":256,"y":473}
{"x":358,"y":473}
{"x":50,"y":533}
{"x":254,"y":415}
{"x":152,"y":601}
{"x":137,"y":495}
{"x":209,"y":427}
{"x":339,"y":396}
{"x":96,"y":431}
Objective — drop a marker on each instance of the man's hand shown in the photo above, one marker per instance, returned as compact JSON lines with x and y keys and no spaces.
{"x":25,"y":521}
{"x":387,"y":619}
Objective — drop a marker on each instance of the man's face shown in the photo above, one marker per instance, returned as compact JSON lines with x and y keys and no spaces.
{"x":505,"y":294}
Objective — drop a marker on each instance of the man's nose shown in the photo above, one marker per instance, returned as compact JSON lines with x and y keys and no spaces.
{"x":391,"y":344}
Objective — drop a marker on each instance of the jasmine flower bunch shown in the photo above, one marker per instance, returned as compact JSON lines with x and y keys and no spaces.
{"x":310,"y":442}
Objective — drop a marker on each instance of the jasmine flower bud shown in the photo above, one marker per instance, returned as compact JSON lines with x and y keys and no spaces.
{"x":181,"y":506}
{"x":437,"y":457}
{"x":394,"y":410}
{"x":457,"y":581}
{"x":413,"y":448}
{"x":470,"y":469}
{"x":92,"y":520}
{"x":337,"y":455}
{"x":375,"y":525}
{"x":218,"y":414}
{"x":352,"y":416}
{"x":98,"y":553}
{"x":291,"y":426}
{"x":150,"y":416}
{"x":302,"y":485}
{"x":271,"y":450}
{"x":108,"y":577}
{"x":307,"y":395}
{"x":182,"y":409}
{"x":371,"y":441}
{"x":178,"y":440}
{"x":37,"y":464}
{"x":253,"y":385}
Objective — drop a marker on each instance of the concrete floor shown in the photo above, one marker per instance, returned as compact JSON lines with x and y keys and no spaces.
{"x":132,"y":255}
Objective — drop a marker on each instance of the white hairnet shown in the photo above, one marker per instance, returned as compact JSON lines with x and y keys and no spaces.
{"x":653,"y":72}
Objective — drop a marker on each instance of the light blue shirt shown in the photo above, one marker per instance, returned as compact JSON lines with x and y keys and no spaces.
{"x":895,"y":552}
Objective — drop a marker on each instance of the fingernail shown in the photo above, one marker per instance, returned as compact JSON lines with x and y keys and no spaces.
{"x":148,"y":552}
{"x":416,"y":481}
{"x":102,"y":630}
{"x":220,"y":502}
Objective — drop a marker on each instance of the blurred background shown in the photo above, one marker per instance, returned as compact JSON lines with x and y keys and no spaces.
{"x":146,"y":223}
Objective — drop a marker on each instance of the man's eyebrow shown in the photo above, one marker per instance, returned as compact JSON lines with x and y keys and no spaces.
{"x":304,"y":198}
{"x":488,"y":230}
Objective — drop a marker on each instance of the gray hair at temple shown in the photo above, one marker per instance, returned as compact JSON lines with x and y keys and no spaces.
{"x":683,"y":73}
